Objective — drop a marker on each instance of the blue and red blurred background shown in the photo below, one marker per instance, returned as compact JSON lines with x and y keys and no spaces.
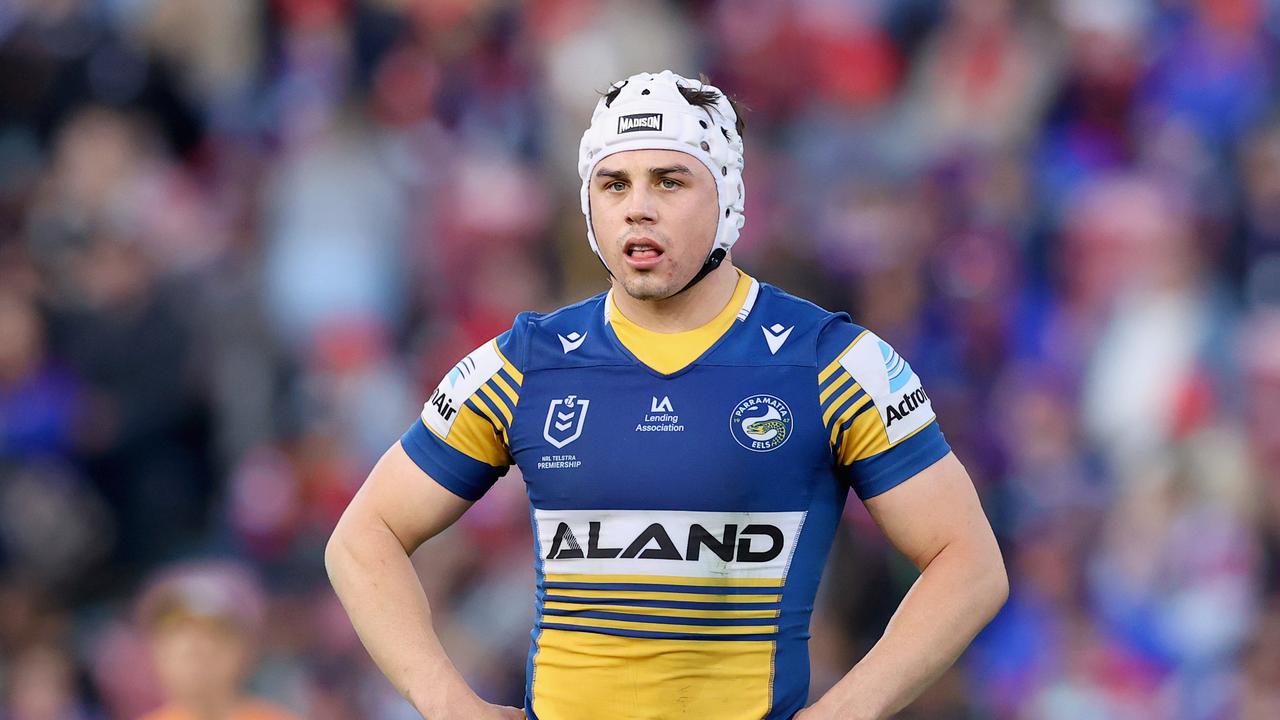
{"x":240,"y":240}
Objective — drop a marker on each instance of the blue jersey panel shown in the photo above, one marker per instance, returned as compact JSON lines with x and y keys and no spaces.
{"x":710,"y":491}
{"x":463,"y":476}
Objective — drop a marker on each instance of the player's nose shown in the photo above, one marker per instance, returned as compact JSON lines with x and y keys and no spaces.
{"x":641,"y":207}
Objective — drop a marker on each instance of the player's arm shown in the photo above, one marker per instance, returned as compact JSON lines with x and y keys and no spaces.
{"x":367,"y":557}
{"x":887,"y":443}
{"x":450,"y":456}
{"x":935,"y":519}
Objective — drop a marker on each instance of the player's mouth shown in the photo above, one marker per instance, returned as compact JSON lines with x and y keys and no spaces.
{"x":643,"y":253}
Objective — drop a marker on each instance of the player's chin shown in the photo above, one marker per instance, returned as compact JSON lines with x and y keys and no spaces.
{"x":648,"y":285}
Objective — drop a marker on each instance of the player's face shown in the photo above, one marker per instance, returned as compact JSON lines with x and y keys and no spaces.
{"x":654,"y":213}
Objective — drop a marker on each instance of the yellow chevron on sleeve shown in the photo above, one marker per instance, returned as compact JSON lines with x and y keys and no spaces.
{"x":506,"y":388}
{"x":497,"y":402}
{"x":864,"y":438}
{"x":474,"y":436}
{"x":831,"y":388}
{"x":844,"y":417}
{"x":831,"y":367}
{"x":870,"y":440}
{"x":510,"y":368}
{"x":487,"y":413}
{"x":843,"y":397}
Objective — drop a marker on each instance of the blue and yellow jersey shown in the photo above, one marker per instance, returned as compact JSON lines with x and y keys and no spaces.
{"x":684,"y":491}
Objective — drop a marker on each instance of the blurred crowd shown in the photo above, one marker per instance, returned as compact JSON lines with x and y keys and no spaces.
{"x":240,"y":240}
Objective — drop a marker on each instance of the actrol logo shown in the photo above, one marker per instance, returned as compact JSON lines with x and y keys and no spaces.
{"x":899,"y":369}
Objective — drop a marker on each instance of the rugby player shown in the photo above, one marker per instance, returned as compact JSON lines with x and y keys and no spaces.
{"x":688,"y":440}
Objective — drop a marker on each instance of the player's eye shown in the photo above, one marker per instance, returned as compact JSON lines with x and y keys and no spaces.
{"x":669,"y":184}
{"x":616,"y":186}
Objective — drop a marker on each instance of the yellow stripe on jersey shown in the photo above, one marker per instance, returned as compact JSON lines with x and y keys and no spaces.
{"x":511,"y":394}
{"x":661,"y":627}
{"x":831,"y":366}
{"x":670,"y":612}
{"x":486,"y":412}
{"x":835,"y":405}
{"x":864,"y":438}
{"x":475,"y":437}
{"x":592,"y":675}
{"x":606,"y":595}
{"x":855,"y":408}
{"x":497,"y":402}
{"x":834,"y":385}
{"x":506,"y":365}
{"x":666,"y":580}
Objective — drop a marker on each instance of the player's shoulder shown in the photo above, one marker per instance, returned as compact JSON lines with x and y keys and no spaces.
{"x":515,"y":343}
{"x":781,"y":329}
{"x":794,"y":307}
{"x":573,"y":335}
{"x":831,"y":330}
{"x":583,"y":310}
{"x":845,"y":343}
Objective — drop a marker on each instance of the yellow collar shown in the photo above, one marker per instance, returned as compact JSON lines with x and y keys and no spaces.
{"x":671,"y":352}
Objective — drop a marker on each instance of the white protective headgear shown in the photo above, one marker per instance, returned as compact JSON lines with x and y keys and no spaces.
{"x":649,"y":113}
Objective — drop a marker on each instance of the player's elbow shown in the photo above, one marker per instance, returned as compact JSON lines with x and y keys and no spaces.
{"x":341,"y":557}
{"x":994,"y":582}
{"x":337,"y":556}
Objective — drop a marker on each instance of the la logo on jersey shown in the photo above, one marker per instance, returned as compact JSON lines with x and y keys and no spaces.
{"x":565,"y":418}
{"x":661,"y":417}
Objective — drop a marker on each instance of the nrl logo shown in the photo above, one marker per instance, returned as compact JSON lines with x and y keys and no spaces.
{"x":565,"y":417}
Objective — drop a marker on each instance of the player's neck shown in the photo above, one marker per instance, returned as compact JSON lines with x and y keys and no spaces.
{"x":688,"y":310}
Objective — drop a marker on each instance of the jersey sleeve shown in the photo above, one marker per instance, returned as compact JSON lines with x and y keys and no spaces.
{"x":878,"y":417}
{"x":461,"y":438}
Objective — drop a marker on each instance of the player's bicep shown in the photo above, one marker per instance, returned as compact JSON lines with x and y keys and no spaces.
{"x":935,"y":508}
{"x":401,"y":496}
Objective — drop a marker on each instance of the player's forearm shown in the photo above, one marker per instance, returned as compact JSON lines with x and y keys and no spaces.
{"x":377,"y":585}
{"x":956,"y":596}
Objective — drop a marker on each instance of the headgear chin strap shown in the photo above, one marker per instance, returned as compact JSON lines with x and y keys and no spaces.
{"x":649,"y":113}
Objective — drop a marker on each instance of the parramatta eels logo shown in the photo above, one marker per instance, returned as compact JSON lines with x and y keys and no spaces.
{"x":761,"y":423}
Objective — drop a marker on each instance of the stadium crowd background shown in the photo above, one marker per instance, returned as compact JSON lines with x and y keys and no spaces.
{"x":241,"y":240}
